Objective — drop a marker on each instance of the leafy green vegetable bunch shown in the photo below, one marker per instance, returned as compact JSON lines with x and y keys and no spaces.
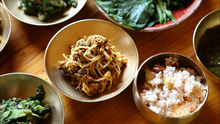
{"x":139,"y":14}
{"x":24,"y":111}
{"x":43,"y":8}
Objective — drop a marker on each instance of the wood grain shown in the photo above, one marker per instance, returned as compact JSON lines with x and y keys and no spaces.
{"x":25,"y":53}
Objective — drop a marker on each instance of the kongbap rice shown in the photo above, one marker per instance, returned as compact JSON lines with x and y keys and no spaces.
{"x":172,"y":91}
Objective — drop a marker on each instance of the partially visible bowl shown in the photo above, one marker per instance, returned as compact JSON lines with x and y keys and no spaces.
{"x":12,"y":6}
{"x":23,"y":85}
{"x":5,"y":27}
{"x":140,"y":80}
{"x":69,"y":35}
{"x":180,"y":14}
{"x":208,"y":21}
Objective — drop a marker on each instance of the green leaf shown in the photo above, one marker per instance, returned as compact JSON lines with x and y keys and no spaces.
{"x":39,"y":94}
{"x":105,"y":4}
{"x":2,"y":109}
{"x":131,"y":13}
{"x":5,"y":115}
{"x":18,"y":113}
{"x":32,"y":104}
{"x":21,"y":104}
{"x":40,"y":110}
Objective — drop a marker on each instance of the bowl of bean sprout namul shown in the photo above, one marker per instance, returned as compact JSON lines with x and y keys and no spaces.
{"x":91,"y":60}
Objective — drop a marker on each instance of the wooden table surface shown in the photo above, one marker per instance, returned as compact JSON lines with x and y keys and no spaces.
{"x":25,"y":53}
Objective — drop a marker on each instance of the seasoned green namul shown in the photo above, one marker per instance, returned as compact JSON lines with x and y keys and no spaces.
{"x":44,"y":8}
{"x":139,"y":14}
{"x":24,"y":111}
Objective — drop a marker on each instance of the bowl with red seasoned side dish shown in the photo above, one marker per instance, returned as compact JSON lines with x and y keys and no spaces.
{"x":170,"y":88}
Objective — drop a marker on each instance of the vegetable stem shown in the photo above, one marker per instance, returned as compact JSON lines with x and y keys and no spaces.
{"x":160,"y":13}
{"x":168,"y":12}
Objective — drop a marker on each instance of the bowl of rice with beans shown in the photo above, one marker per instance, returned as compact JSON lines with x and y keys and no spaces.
{"x":170,"y":88}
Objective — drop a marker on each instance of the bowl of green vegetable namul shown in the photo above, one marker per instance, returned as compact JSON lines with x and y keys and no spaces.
{"x":43,"y":12}
{"x":28,"y":99}
{"x":147,"y":15}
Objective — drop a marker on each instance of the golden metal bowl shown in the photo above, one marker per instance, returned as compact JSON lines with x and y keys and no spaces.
{"x":140,"y":79}
{"x":23,"y":85}
{"x":208,"y":21}
{"x":12,"y":6}
{"x":67,"y":36}
{"x":5,"y":27}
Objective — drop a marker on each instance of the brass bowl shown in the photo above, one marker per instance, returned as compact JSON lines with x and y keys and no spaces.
{"x":67,"y":36}
{"x":23,"y":85}
{"x":5,"y":27}
{"x":140,"y":79}
{"x":208,"y":21}
{"x":181,"y":15}
{"x":12,"y":6}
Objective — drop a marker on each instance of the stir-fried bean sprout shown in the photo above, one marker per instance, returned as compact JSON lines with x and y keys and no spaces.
{"x":93,"y":65}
